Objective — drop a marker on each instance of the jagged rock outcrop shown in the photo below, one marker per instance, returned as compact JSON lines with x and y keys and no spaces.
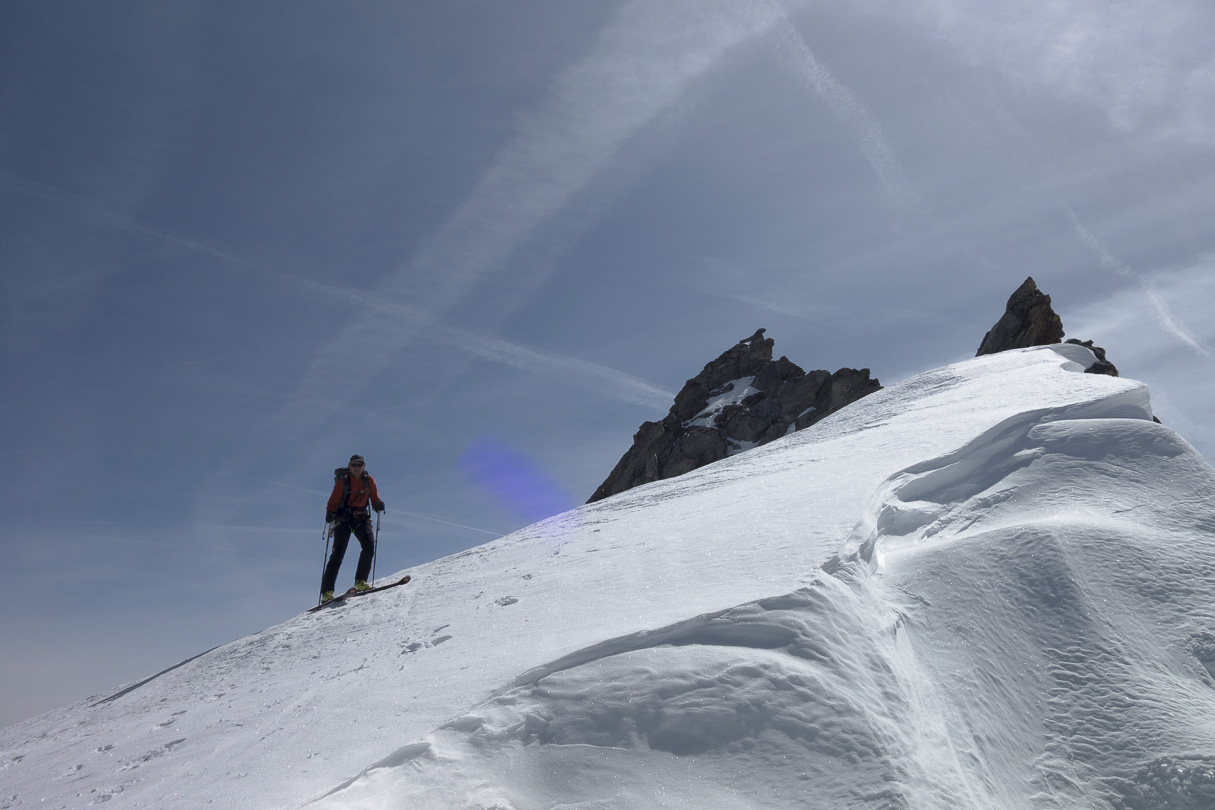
{"x":742,"y":399}
{"x":1102,"y":366}
{"x":1028,"y":320}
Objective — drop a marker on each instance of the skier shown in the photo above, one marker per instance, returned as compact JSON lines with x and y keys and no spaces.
{"x":353,"y":490}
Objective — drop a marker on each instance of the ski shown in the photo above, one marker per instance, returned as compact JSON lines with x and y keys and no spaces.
{"x":342,"y":597}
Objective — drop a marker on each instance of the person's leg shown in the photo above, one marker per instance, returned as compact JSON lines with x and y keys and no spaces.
{"x":341,"y":536}
{"x":367,"y":552}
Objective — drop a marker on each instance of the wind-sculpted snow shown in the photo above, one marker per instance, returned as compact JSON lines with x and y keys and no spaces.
{"x":1061,"y":614}
{"x":989,"y":586}
{"x":743,"y":708}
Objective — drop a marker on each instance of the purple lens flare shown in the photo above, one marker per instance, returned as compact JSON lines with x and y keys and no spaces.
{"x":514,"y":480}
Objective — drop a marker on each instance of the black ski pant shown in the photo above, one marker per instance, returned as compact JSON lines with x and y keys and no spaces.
{"x":361,"y":527}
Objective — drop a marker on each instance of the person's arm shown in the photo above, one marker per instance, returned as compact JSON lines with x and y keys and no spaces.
{"x":376,"y":503}
{"x":335,"y":498}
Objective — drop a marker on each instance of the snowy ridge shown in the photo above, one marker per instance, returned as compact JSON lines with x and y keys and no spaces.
{"x":989,"y":586}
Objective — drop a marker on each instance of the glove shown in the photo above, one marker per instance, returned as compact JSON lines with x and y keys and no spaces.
{"x":330,"y":517}
{"x":378,"y":506}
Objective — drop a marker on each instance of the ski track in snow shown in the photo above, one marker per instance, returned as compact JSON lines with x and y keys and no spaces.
{"x":989,"y":586}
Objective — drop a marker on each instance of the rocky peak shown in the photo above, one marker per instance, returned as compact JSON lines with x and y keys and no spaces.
{"x":747,"y":358}
{"x":1029,"y":320}
{"x":742,"y":399}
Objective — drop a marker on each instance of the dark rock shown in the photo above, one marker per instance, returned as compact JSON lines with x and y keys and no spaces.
{"x":742,"y":399}
{"x":1028,"y":320}
{"x":1102,"y":366}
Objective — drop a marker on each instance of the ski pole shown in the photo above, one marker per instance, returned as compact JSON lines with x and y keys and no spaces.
{"x":326,"y":533}
{"x":375,"y":547}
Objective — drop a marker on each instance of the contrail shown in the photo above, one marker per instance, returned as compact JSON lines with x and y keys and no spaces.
{"x":1164,"y":316}
{"x":910,"y":208}
{"x":287,"y":486}
{"x":108,"y":214}
{"x":870,"y":138}
{"x":396,"y":511}
{"x":449,"y":523}
{"x":641,"y":64}
{"x":625,"y":386}
{"x":186,"y":363}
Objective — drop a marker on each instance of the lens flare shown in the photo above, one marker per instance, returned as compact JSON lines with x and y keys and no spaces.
{"x":514,"y":480}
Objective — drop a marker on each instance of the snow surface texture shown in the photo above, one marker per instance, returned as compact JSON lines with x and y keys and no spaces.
{"x":989,"y":586}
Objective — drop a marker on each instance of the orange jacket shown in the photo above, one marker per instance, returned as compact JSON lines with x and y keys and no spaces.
{"x":362,"y":493}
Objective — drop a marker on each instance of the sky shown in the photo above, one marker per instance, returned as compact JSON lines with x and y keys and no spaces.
{"x":480,"y":243}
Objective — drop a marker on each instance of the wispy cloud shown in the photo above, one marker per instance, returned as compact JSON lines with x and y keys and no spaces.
{"x":1182,"y":390}
{"x":1148,"y":64}
{"x":1164,"y":316}
{"x":913,"y":212}
{"x":111,"y":216}
{"x":725,"y":278}
{"x":642,"y":63}
{"x":428,"y":326}
{"x":847,"y":108}
{"x":424,"y":322}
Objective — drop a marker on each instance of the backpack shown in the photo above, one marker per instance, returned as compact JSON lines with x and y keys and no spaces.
{"x":343,"y":473}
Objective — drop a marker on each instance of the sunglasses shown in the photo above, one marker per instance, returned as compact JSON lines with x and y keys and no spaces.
{"x":356,"y":464}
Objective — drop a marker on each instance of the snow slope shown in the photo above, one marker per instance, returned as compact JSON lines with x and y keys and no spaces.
{"x":989,"y":586}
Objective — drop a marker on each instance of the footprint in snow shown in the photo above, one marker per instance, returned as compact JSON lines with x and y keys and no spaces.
{"x":414,"y":646}
{"x":505,"y":600}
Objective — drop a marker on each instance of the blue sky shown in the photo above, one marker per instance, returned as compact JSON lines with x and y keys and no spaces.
{"x":481,"y":241}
